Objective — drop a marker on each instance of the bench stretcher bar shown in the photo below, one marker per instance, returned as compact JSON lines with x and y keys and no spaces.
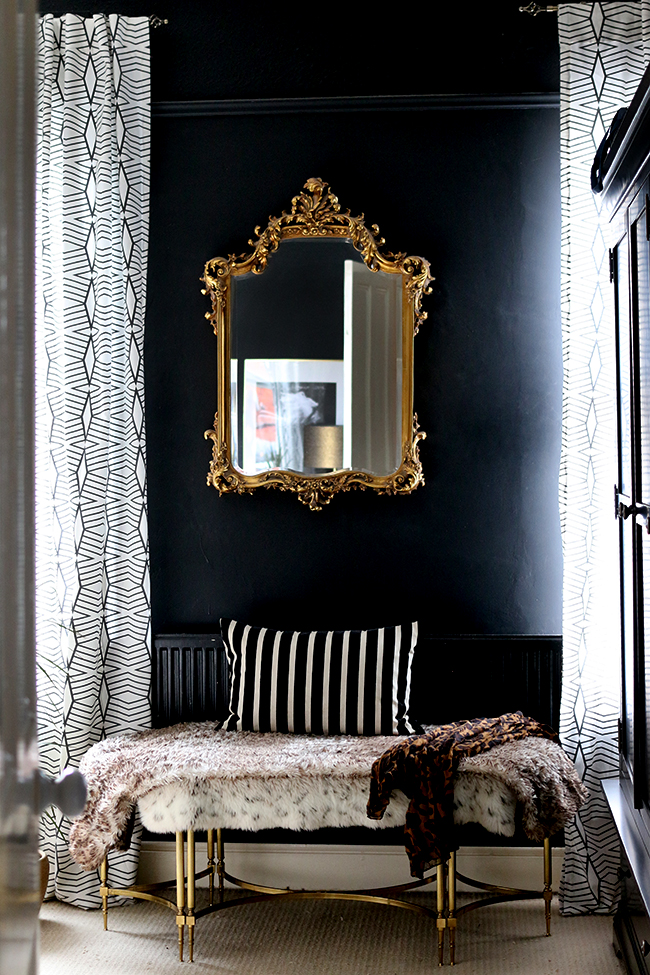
{"x":445,"y":877}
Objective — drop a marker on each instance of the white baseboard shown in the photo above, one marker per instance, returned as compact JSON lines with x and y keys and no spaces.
{"x":303,"y":865}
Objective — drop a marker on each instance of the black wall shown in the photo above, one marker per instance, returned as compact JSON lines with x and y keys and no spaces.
{"x":470,"y":183}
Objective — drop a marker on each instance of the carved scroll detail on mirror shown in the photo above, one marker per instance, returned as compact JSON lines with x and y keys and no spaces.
{"x":319,"y":385}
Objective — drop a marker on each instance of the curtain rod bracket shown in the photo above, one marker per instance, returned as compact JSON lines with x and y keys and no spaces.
{"x":534,"y":8}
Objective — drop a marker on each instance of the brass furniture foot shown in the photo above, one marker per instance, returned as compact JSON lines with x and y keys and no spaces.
{"x":548,"y":883}
{"x":211,"y":868}
{"x":103,"y":889}
{"x":221,"y":869}
{"x":191,"y":892}
{"x":441,"y":921}
{"x":451,"y":906}
{"x":180,"y":921}
{"x":180,"y":891}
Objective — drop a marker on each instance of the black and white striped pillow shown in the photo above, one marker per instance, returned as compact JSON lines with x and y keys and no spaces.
{"x":350,"y":682}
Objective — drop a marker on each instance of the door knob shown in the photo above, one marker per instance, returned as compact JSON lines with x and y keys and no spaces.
{"x":68,"y":792}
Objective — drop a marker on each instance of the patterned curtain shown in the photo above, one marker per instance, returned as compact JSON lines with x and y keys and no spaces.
{"x":601,"y":61}
{"x":92,"y":575}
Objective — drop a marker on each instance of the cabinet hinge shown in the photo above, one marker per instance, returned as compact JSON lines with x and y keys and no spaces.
{"x":620,"y":735}
{"x":620,"y":508}
{"x":611,"y":265}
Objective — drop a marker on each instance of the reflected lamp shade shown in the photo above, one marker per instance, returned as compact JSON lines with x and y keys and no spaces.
{"x":323,"y":446}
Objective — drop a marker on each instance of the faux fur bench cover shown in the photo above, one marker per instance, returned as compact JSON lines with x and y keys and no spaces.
{"x":197,"y":776}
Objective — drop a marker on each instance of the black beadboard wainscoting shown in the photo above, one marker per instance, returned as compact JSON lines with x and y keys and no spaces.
{"x":454,"y":678}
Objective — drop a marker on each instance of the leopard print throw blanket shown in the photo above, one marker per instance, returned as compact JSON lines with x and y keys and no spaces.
{"x":423,"y":768}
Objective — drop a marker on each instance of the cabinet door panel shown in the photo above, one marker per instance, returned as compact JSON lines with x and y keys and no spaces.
{"x":632,"y":284}
{"x":641,"y":486}
{"x":624,"y":494}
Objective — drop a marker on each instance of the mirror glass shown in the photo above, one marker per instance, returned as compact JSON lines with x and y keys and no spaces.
{"x":316,"y":363}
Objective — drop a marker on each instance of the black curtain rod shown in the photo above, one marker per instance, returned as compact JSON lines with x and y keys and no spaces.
{"x":536,"y":8}
{"x":153,"y":19}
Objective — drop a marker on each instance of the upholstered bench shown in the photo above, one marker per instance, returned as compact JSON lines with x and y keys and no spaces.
{"x":199,"y":777}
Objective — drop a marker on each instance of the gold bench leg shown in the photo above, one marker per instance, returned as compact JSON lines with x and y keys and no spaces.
{"x":210,"y":838}
{"x":548,"y":883}
{"x":103,"y":889}
{"x":220,"y":864}
{"x":190,"y":919}
{"x":180,"y":890}
{"x":451,"y":914}
{"x":440,"y":905}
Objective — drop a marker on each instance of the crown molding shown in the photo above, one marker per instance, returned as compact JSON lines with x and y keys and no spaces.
{"x":355,"y":103}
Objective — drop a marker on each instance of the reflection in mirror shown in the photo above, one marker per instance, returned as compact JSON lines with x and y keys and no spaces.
{"x":315,"y":357}
{"x":284,"y":401}
{"x":373,"y":366}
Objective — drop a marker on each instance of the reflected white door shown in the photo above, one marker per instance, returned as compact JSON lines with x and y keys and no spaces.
{"x":372,"y":369}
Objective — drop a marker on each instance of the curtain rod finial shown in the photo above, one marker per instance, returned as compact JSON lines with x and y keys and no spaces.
{"x":158,"y":21}
{"x":534,"y":9}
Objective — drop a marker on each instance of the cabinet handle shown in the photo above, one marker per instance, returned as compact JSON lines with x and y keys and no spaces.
{"x":638,"y":510}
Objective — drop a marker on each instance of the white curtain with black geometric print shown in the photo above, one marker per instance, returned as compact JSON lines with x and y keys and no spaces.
{"x":93,"y":605}
{"x":602,"y":59}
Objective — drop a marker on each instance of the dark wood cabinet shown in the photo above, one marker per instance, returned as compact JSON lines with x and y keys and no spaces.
{"x":626,"y":198}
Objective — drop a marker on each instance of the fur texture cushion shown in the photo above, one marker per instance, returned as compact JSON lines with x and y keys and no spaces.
{"x":543,"y":780}
{"x":196,"y":776}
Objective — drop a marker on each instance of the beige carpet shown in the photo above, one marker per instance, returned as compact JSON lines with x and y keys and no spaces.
{"x":314,"y":937}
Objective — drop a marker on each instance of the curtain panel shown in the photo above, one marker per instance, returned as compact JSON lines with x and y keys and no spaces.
{"x":92,"y":561}
{"x":602,"y":59}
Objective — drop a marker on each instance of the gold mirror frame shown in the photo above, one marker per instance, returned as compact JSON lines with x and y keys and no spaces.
{"x":315,"y":213}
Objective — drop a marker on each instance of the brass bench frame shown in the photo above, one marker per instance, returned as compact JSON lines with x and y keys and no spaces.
{"x":446,"y":878}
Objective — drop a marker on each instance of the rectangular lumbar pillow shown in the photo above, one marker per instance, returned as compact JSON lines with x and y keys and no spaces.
{"x":349,"y":682}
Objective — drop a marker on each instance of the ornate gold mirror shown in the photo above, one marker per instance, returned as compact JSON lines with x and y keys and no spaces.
{"x":315,"y":357}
